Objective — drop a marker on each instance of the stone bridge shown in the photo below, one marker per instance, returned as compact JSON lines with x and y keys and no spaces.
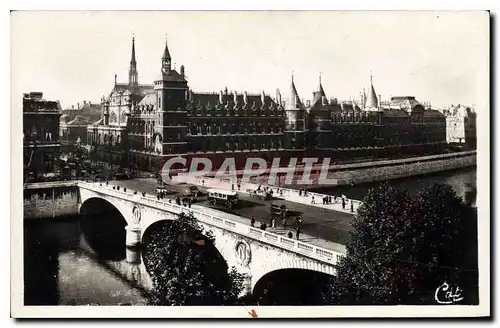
{"x":253,"y":252}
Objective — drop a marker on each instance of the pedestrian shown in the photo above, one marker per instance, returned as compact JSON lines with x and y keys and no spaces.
{"x":114,"y":188}
{"x":273,"y":223}
{"x":324,"y":200}
{"x":352,"y":206}
{"x":135,"y":192}
{"x":335,"y":199}
{"x":300,"y":192}
{"x":124,"y":189}
{"x":100,"y":184}
{"x":252,"y":222}
{"x":239,"y":186}
{"x":343,"y":203}
{"x":106,"y":182}
{"x":263,"y":226}
{"x":312,"y":200}
{"x":298,"y":233}
{"x":290,"y":234}
{"x":297,"y":220}
{"x":329,"y":199}
{"x":232,"y":186}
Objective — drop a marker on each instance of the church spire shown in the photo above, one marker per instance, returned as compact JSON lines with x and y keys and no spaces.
{"x":166,"y":60}
{"x":132,"y":74}
{"x":132,"y":59}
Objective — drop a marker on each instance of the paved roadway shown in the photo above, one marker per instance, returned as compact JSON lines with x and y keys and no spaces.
{"x":318,"y":222}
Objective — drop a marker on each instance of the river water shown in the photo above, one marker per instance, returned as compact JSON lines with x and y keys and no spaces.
{"x":462,"y":181}
{"x":59,"y":271}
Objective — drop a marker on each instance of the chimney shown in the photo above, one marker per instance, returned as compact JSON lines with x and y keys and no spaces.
{"x":182,"y":70}
{"x":235,"y":97}
{"x":379,"y":101}
{"x":220,"y":97}
{"x":263,"y":98}
{"x":278,"y":96}
{"x":245,"y":97}
{"x":84,"y":102}
{"x":78,"y":105}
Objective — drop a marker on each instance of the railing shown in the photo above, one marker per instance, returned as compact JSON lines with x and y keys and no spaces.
{"x":315,"y":252}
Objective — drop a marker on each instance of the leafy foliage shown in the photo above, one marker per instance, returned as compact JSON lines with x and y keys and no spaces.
{"x":186,"y":268}
{"x":402,"y":248}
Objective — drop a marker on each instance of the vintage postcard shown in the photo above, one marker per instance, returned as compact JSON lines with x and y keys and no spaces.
{"x":250,"y":164}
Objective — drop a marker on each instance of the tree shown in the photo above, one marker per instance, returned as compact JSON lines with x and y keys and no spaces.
{"x":186,"y":268}
{"x":402,"y":248}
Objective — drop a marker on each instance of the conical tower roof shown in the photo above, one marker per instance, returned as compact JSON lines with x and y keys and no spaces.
{"x":318,"y":94}
{"x":166,"y":53}
{"x":371,"y":99}
{"x":293,"y":101}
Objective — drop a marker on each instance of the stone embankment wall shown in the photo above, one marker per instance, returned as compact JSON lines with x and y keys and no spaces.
{"x":50,"y":200}
{"x":366,"y":175}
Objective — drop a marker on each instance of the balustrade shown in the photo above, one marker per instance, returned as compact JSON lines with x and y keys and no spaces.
{"x":279,"y":241}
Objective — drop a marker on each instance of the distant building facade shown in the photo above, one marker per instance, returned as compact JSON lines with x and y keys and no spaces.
{"x":41,"y":146}
{"x":144,"y":125}
{"x":74,"y":121}
{"x":461,"y":125}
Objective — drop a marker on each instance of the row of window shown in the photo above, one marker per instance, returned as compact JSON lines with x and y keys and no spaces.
{"x":233,"y":129}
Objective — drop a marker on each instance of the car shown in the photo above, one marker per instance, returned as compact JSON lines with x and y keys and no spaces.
{"x":100,"y":177}
{"x":121,"y":176}
{"x":163,"y":189}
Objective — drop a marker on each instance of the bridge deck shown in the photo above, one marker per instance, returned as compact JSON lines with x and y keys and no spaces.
{"x":321,"y":227}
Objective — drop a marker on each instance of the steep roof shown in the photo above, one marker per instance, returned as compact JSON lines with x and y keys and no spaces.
{"x":395,"y":113}
{"x":433,"y":113}
{"x":204,"y":99}
{"x":148,"y":99}
{"x":79,"y":120}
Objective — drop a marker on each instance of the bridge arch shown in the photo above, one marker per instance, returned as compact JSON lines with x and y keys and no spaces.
{"x":288,"y":282}
{"x":267,"y":268}
{"x":102,"y":225}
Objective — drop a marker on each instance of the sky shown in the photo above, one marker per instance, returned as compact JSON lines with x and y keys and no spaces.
{"x":441,"y":57}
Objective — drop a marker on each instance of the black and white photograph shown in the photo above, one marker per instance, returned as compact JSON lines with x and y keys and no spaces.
{"x":231,"y":163}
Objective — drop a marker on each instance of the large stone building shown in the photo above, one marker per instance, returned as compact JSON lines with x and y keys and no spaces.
{"x":144,"y":125}
{"x":41,"y":146}
{"x":74,"y":121}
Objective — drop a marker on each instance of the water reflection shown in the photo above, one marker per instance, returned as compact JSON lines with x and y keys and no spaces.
{"x":58,"y":269}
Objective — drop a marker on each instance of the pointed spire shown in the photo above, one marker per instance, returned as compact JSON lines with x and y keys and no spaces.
{"x":293,"y":102}
{"x":132,"y":72}
{"x":166,"y":60}
{"x":321,"y":92}
{"x":371,"y":99}
{"x":132,"y":59}
{"x":166,"y":53}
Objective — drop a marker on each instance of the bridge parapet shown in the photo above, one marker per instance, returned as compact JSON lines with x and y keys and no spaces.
{"x":308,"y":250}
